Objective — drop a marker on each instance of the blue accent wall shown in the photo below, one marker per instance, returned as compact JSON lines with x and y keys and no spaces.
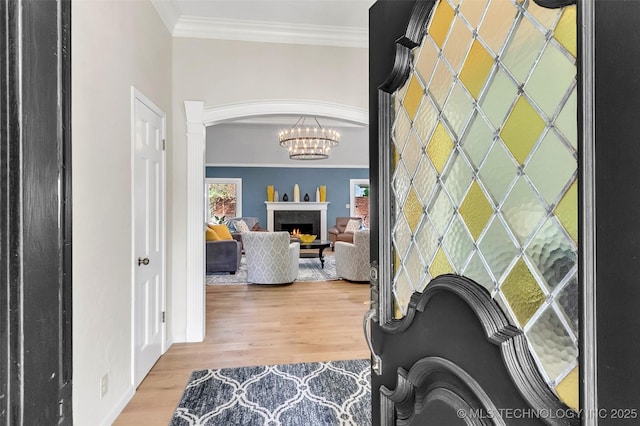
{"x":256,"y":179}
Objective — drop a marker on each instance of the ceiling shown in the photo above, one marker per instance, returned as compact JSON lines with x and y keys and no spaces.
{"x":322,"y":22}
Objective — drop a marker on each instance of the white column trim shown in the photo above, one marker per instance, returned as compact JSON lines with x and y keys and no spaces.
{"x":196,"y":138}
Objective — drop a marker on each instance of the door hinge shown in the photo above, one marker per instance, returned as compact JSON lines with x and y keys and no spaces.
{"x":164,"y":144}
{"x":164,"y":317}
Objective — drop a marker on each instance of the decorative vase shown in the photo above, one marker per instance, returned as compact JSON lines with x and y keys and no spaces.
{"x":323,"y":193}
{"x":285,"y":197}
{"x":317,"y":194}
{"x":306,"y":197}
{"x":296,"y":193}
{"x":276,"y":197}
{"x":270,"y":193}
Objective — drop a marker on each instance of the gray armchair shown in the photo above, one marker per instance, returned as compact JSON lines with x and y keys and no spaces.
{"x":223,"y":256}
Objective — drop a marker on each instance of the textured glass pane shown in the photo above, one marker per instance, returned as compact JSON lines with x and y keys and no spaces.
{"x":426,"y":120}
{"x":566,"y":121}
{"x":568,"y":300}
{"x":523,"y":49}
{"x":523,"y":293}
{"x":547,"y":17}
{"x":414,"y":267}
{"x":477,"y":140}
{"x":522,"y":129}
{"x":401,"y":129}
{"x":552,"y":252}
{"x":500,"y":96}
{"x":567,"y":211}
{"x":427,"y":240}
{"x":477,"y":272}
{"x":498,"y":171}
{"x":439,"y":26}
{"x":476,"y":69}
{"x":440,"y":265}
{"x":471,"y":10}
{"x":502,"y":301}
{"x":402,"y":291}
{"x":458,"y":109}
{"x":496,"y":23}
{"x":459,"y":244}
{"x":425,"y":180}
{"x":551,"y":168}
{"x":441,"y":83}
{"x":412,"y":209}
{"x":457,"y":44}
{"x":523,"y":210}
{"x":552,"y":344}
{"x":440,"y":212}
{"x":401,"y":182}
{"x":566,"y":30}
{"x":401,"y":237}
{"x":426,"y":60}
{"x":476,"y":210}
{"x":551,"y":79}
{"x":413,"y":97}
{"x":458,"y":179}
{"x":568,"y":389}
{"x":497,"y":248}
{"x":440,"y":147}
{"x":411,"y":153}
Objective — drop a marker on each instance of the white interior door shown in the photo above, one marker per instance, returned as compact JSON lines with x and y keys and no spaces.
{"x":149,"y":242}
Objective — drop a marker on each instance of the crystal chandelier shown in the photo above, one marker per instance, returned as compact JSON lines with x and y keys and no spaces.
{"x":308,"y":143}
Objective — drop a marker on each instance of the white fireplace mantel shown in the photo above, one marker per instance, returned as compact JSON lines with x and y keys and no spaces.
{"x":297,"y":206}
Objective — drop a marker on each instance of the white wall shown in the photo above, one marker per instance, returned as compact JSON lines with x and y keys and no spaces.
{"x":115,"y":44}
{"x":221,"y":72}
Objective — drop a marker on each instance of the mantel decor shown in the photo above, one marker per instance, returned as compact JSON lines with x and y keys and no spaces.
{"x":308,"y":143}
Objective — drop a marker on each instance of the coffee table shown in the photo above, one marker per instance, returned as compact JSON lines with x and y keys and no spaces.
{"x":317,"y":244}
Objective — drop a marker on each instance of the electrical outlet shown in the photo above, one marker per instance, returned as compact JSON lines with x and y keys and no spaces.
{"x":104,"y":385}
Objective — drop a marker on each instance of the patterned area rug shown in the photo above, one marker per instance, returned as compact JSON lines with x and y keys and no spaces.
{"x":309,"y":270}
{"x":318,"y":393}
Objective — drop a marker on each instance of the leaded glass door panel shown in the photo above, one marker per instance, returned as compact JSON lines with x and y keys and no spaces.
{"x":475,"y":301}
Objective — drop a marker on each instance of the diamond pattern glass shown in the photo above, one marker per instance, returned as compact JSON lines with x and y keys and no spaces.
{"x":485,"y":137}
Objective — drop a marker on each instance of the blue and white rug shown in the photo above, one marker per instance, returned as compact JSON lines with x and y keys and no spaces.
{"x":309,"y":270}
{"x":319,"y":393}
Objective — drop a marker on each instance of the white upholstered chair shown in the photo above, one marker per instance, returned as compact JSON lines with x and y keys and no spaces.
{"x":271,"y":257}
{"x":352,"y":259}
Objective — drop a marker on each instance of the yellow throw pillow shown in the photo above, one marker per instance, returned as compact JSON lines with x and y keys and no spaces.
{"x":222,"y":231}
{"x":211,"y":235}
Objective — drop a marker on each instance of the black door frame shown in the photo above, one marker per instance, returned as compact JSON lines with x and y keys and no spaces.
{"x":35,"y":194}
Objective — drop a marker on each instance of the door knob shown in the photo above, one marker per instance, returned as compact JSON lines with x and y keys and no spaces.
{"x":142,"y":261}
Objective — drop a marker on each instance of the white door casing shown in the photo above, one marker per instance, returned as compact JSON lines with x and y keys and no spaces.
{"x":149,"y":285}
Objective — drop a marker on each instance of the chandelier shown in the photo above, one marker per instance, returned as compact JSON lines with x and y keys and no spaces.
{"x":308,"y":143}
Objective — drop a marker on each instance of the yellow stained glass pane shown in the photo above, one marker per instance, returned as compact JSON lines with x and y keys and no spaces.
{"x":567,"y":211}
{"x":476,"y":210}
{"x":396,"y":261}
{"x":426,"y":61}
{"x":440,"y":147}
{"x":413,"y":97}
{"x":568,"y":389}
{"x":522,"y":129}
{"x":566,"y":30}
{"x":412,"y":210}
{"x":472,"y":11}
{"x":440,"y":23}
{"x":440,"y":264}
{"x":522,"y":292}
{"x":476,"y":68}
{"x":496,"y":23}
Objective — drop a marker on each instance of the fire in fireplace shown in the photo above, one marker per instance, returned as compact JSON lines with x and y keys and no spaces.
{"x":297,"y":222}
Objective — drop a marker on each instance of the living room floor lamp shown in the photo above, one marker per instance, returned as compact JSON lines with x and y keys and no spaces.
{"x":308,"y":142}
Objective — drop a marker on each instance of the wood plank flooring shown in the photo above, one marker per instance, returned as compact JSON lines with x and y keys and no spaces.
{"x":257,"y":325}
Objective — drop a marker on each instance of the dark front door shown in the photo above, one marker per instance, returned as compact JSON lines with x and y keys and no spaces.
{"x":476,"y":242}
{"x":35,"y":213}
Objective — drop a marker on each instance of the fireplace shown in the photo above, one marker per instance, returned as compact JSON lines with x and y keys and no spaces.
{"x":303,"y":221}
{"x":307,"y":217}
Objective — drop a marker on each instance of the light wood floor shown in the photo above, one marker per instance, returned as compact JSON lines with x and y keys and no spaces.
{"x":257,"y":325}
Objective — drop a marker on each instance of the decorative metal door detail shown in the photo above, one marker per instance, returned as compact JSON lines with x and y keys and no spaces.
{"x":483,"y":175}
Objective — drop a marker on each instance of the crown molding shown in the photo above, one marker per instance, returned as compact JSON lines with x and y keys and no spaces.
{"x":271,"y":32}
{"x":169,"y":13}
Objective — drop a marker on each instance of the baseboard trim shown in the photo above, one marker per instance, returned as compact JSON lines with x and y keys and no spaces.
{"x":119,"y":407}
{"x":178,"y":338}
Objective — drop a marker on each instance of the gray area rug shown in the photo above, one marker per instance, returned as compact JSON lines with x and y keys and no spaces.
{"x":309,"y":270}
{"x":316,"y":394}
